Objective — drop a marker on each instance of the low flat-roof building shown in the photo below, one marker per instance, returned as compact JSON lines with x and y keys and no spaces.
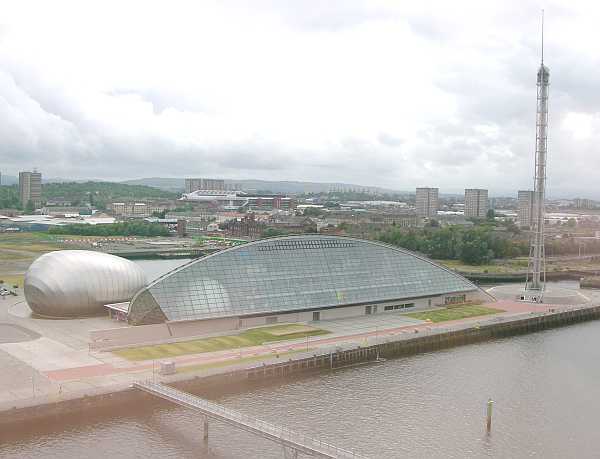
{"x":297,"y":279}
{"x":233,"y":200}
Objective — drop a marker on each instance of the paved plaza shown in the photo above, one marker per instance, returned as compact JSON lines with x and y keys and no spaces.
{"x":46,"y":359}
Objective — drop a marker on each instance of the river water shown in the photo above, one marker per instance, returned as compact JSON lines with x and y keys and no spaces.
{"x":546,"y":388}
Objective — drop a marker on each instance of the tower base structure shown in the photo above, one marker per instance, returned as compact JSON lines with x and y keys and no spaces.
{"x":551,"y":294}
{"x":531,"y":295}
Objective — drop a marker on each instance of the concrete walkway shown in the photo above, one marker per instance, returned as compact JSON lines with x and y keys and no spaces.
{"x":59,"y":363}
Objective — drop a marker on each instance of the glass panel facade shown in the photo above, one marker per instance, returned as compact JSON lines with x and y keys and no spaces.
{"x":294,"y":273}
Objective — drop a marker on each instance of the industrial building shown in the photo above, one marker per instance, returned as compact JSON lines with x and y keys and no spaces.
{"x":234,"y":200}
{"x":134,"y":209}
{"x":525,"y":209}
{"x":30,"y":188}
{"x":195,"y":184}
{"x":583,"y":203}
{"x":298,"y":279}
{"x":427,"y":202}
{"x":476,"y":203}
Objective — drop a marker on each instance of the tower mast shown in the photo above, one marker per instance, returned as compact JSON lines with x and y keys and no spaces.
{"x":536,"y":275}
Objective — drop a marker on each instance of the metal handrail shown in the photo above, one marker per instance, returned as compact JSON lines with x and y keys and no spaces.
{"x":280,"y":433}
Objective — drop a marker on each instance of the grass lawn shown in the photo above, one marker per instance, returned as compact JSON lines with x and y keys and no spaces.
{"x":454,"y":313}
{"x":252,"y":337}
{"x":10,"y":280}
{"x":226,"y":363}
{"x":513,"y":265}
{"x":26,"y":246}
{"x":26,"y":238}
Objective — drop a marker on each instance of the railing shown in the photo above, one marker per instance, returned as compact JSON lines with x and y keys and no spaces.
{"x":276,"y":433}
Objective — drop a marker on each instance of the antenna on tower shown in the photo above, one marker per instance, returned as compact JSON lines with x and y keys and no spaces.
{"x":542,"y":37}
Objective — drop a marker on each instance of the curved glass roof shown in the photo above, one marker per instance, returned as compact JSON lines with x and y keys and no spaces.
{"x":289,"y":274}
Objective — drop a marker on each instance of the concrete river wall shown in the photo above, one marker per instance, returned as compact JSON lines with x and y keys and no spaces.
{"x":403,"y":344}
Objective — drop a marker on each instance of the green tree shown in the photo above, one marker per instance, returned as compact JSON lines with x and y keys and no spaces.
{"x":9,"y":197}
{"x":29,"y":207}
{"x":313,"y":212}
{"x":474,"y":245}
{"x":114,"y":229}
{"x":272,"y":232}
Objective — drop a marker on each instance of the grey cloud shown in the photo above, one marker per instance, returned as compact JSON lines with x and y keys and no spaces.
{"x":44,"y":124}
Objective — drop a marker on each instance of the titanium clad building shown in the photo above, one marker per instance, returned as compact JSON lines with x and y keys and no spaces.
{"x":73,"y":283}
{"x":297,"y":279}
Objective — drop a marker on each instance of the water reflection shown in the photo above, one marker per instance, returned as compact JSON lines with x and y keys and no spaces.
{"x":430,"y":405}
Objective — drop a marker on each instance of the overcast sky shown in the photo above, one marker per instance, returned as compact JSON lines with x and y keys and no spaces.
{"x":390,"y":93}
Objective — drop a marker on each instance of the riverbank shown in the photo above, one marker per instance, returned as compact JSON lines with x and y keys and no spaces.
{"x":401,"y":342}
{"x":503,"y":278}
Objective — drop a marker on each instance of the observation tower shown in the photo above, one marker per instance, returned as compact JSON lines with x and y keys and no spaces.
{"x":536,"y":271}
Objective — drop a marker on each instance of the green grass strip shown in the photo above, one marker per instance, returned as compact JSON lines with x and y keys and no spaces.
{"x":227,"y":363}
{"x":454,"y":313}
{"x":248,"y":338}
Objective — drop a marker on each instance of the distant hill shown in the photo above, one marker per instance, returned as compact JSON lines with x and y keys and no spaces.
{"x":101,"y":193}
{"x":170,"y":184}
{"x":178,"y":184}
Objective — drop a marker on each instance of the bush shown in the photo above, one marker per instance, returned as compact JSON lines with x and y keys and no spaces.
{"x":114,"y":229}
{"x":474,"y":246}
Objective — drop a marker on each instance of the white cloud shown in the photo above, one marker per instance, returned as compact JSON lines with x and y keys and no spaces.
{"x":396,"y":94}
{"x":581,"y":125}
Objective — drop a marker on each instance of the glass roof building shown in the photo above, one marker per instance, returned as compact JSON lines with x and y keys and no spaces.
{"x":291,"y":274}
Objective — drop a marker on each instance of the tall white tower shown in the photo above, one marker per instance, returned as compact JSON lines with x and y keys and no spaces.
{"x":536,"y":273}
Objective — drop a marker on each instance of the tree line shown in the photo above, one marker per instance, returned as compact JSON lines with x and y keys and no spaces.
{"x":99,"y":194}
{"x":9,"y":197}
{"x":113,"y":229}
{"x":475,"y":245}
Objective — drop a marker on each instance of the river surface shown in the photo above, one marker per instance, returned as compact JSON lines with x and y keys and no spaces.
{"x":546,"y":388}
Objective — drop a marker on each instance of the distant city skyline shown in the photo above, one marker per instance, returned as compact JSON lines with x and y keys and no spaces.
{"x":229,"y":183}
{"x":390,"y":95}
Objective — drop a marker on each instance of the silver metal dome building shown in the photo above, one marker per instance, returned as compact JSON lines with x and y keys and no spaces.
{"x":70,"y":283}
